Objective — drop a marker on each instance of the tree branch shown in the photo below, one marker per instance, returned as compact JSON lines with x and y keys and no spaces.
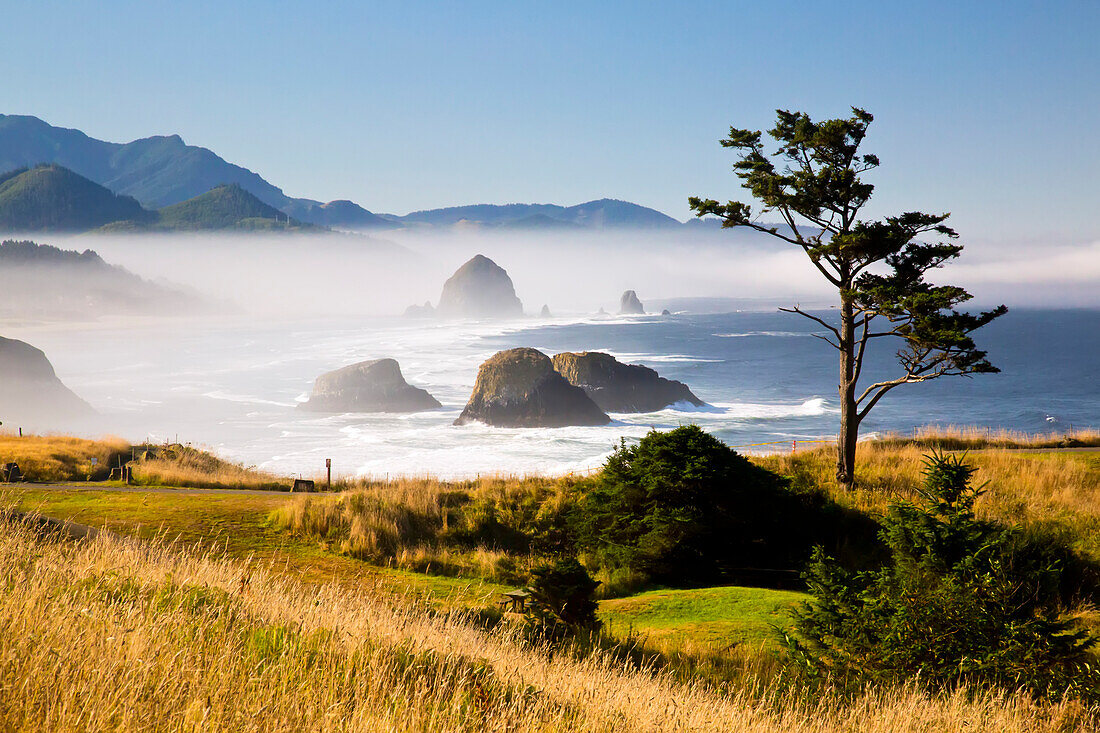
{"x":835,"y":331}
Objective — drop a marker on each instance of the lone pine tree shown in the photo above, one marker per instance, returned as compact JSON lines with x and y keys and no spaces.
{"x":813,"y":183}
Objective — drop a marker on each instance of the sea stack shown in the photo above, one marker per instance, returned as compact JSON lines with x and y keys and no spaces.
{"x":369,"y":386}
{"x":618,"y":387}
{"x":31,"y":395}
{"x":420,"y":311}
{"x":545,"y":312}
{"x":479,"y":289}
{"x":629,"y":304}
{"x":519,"y":388}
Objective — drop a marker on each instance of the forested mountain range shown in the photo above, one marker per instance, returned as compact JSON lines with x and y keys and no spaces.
{"x":51,"y":198}
{"x":163,"y":170}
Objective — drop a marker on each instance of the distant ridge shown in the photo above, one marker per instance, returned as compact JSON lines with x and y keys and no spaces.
{"x":163,"y":170}
{"x":598,"y":214}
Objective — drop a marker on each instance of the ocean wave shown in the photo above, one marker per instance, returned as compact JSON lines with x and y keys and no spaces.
{"x":761,"y":333}
{"x":769,"y":411}
{"x":245,"y":399}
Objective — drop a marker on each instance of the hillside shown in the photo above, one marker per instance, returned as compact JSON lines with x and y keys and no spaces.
{"x":224,"y":207}
{"x":45,"y":282}
{"x":50,"y":198}
{"x":157,"y":171}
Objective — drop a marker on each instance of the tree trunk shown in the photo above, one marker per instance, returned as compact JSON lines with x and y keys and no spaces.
{"x":849,"y":418}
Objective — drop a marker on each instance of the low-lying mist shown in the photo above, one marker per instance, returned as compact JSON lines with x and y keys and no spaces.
{"x":313,"y":275}
{"x":571,"y":272}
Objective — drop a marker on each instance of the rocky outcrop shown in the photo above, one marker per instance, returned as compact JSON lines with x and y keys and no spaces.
{"x":545,"y":312}
{"x":369,"y":386}
{"x":479,"y":289}
{"x":30,"y":392}
{"x":519,"y":388}
{"x":666,"y":312}
{"x":420,"y":311}
{"x":629,"y":304}
{"x":618,"y":387}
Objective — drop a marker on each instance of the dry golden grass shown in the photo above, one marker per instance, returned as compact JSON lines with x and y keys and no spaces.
{"x":62,"y":457}
{"x":962,"y":437}
{"x":425,"y":524}
{"x":117,"y":634}
{"x":1059,"y":488}
{"x":186,"y":466}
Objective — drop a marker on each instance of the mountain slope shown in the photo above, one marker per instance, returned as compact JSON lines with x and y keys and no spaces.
{"x":223,"y":207}
{"x":157,"y":171}
{"x":52,"y":198}
{"x":599,"y":214}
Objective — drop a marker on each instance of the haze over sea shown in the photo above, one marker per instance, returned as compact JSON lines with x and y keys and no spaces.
{"x":234,"y":385}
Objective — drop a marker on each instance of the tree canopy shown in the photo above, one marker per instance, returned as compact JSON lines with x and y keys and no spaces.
{"x":814,"y":183}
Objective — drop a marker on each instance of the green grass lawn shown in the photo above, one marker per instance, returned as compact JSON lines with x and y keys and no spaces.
{"x":715,"y":617}
{"x":237,"y":524}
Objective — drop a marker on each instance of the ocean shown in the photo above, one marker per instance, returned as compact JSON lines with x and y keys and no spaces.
{"x":233,"y":385}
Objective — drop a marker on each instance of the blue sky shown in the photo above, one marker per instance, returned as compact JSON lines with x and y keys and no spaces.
{"x":986,"y":109}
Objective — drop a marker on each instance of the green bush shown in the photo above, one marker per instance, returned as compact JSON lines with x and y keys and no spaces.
{"x":682,"y":508}
{"x":563,"y":595}
{"x":960,"y":601}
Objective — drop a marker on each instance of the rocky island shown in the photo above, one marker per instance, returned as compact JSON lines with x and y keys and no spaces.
{"x":30,"y":392}
{"x":519,"y":388}
{"x":618,"y":387}
{"x":479,"y":289}
{"x":369,"y":386}
{"x":630,"y":305}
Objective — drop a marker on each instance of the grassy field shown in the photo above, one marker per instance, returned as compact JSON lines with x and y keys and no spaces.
{"x":150,"y":636}
{"x":712,"y":618}
{"x":1046,"y":487}
{"x":222,"y":618}
{"x":238,"y":527}
{"x":1052,"y":487}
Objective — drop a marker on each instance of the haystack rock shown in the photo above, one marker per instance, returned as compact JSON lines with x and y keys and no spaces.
{"x":519,"y":388}
{"x":369,"y":386}
{"x":30,"y":392}
{"x":545,"y":312}
{"x":629,"y":304}
{"x":618,"y":387}
{"x":479,"y":289}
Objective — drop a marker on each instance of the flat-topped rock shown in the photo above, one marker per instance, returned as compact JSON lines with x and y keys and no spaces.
{"x":519,"y":388}
{"x":629,"y":304}
{"x":618,"y":387}
{"x":479,"y":289}
{"x":369,"y":386}
{"x":30,"y":392}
